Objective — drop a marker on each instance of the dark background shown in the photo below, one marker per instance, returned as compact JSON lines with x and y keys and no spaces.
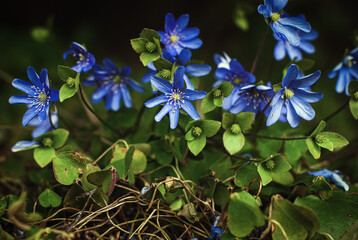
{"x":106,"y":27}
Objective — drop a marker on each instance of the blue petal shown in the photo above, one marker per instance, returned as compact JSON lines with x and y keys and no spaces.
{"x":44,"y":113}
{"x":279,"y":51}
{"x":90,"y":81}
{"x":307,"y":47}
{"x":291,"y":74}
{"x":78,"y":47}
{"x":34,"y":78}
{"x":353,"y":70}
{"x":167,"y":56}
{"x":29,"y":114}
{"x":68,"y":52}
{"x":135,"y":86}
{"x":306,"y":81}
{"x":221,"y":73}
{"x":147,"y":76}
{"x":182,"y":21}
{"x":323,"y":173}
{"x":174,"y":117}
{"x":156,"y":101}
{"x":44,"y":79}
{"x":236,"y":67}
{"x":192,"y":44}
{"x":77,"y":68}
{"x":171,"y":49}
{"x":343,"y":80}
{"x":101,"y":92}
{"x":89,"y":62}
{"x":197,"y":70}
{"x":292,"y":117}
{"x":192,"y":95}
{"x":296,"y":22}
{"x":302,"y":108}
{"x":228,"y":101}
{"x":217,"y":83}
{"x":294,"y":53}
{"x":189,"y":33}
{"x":238,"y":106}
{"x":167,"y":107}
{"x":262,"y":9}
{"x":126,"y":71}
{"x":275,"y":113}
{"x":108,"y":99}
{"x":188,"y":83}
{"x":308,"y":96}
{"x":169,"y":22}
{"x":178,"y":82}
{"x":24,"y":145}
{"x":20,"y":99}
{"x":332,"y":74}
{"x":312,"y":35}
{"x":277,"y":96}
{"x":277,"y":5}
{"x":336,"y":179}
{"x":189,"y":108}
{"x":24,"y":86}
{"x":126,"y":96}
{"x":115,"y":100}
{"x":184,"y":57}
{"x":162,"y":85}
{"x":286,"y":32}
{"x":151,"y":65}
{"x":54,"y":95}
{"x":110,"y":65}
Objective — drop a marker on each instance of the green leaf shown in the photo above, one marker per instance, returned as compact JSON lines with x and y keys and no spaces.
{"x":196,"y":146}
{"x":228,"y":120}
{"x":298,"y":222}
{"x":207,"y":105}
{"x":319,"y":183}
{"x":65,"y":168}
{"x":139,"y":159}
{"x":353,"y":106}
{"x":49,"y":198}
{"x":147,"y":57}
{"x":314,"y":149}
{"x":138,"y":44}
{"x":65,"y":72}
{"x":319,"y":128}
{"x":66,"y":91}
{"x":59,"y":137}
{"x":44,"y":155}
{"x":177,"y":204}
{"x":337,"y":140}
{"x":245,"y":174}
{"x":265,"y":174}
{"x":337,"y":214}
{"x":281,"y":165}
{"x":3,"y":204}
{"x":294,"y":150}
{"x":327,"y":144}
{"x":244,"y":214}
{"x":241,"y":20}
{"x":218,"y":102}
{"x":352,"y":87}
{"x":162,"y":63}
{"x":226,"y":88}
{"x":149,"y":34}
{"x":189,"y":136}
{"x":245,"y":120}
{"x":233,"y":143}
{"x":90,"y":168}
{"x":210,"y":127}
{"x":105,"y":179}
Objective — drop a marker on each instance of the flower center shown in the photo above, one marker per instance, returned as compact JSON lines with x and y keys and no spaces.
{"x":196,"y":131}
{"x":117,"y":79}
{"x":275,"y":17}
{"x":288,"y":94}
{"x":176,"y":97}
{"x":81,"y":57}
{"x":42,"y":97}
{"x":150,"y":46}
{"x":47,"y":142}
{"x":270,"y":164}
{"x":235,"y":129}
{"x":217,"y":93}
{"x":237,"y":81}
{"x":174,"y":38}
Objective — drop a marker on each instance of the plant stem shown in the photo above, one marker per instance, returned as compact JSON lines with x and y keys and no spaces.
{"x":275,"y":138}
{"x":259,"y":49}
{"x":94,"y":113}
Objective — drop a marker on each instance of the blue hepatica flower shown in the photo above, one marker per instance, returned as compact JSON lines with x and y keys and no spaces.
{"x":39,"y":95}
{"x":195,"y":70}
{"x":237,"y":76}
{"x":295,"y":98}
{"x":223,"y":61}
{"x":113,"y":85}
{"x":85,"y":60}
{"x":334,"y":176}
{"x":24,"y":145}
{"x":174,"y":98}
{"x":177,"y":36}
{"x":216,"y":232}
{"x":284,"y":27}
{"x":45,"y":126}
{"x":347,"y":69}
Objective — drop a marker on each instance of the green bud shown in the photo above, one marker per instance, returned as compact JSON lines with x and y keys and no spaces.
{"x":217,"y":93}
{"x":71,"y":82}
{"x":275,"y":17}
{"x":47,"y":142}
{"x":319,"y":138}
{"x":270,"y":164}
{"x":166,"y":74}
{"x":355,"y":95}
{"x":42,"y":97}
{"x":235,"y":129}
{"x":196,"y":131}
{"x":150,"y":46}
{"x":288,"y":94}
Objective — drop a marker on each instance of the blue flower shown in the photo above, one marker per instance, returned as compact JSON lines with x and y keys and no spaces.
{"x":283,"y":46}
{"x":39,"y":95}
{"x":216,"y":232}
{"x":347,"y":69}
{"x":222,"y":61}
{"x":283,"y":26}
{"x":113,"y":85}
{"x":85,"y":60}
{"x":177,"y":36}
{"x":174,"y":98}
{"x":295,"y":98}
{"x":334,"y":176}
{"x":195,"y":70}
{"x":45,"y":126}
{"x":237,"y":76}
{"x":24,"y":145}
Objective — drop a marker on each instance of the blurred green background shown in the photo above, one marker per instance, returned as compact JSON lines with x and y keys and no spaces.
{"x":36,"y":33}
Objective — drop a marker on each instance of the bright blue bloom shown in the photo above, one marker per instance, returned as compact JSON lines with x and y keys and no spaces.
{"x":39,"y":95}
{"x":283,"y":26}
{"x":334,"y":176}
{"x":195,"y":70}
{"x":295,"y":98}
{"x":144,"y":190}
{"x":113,"y":85}
{"x":177,"y":36}
{"x":237,"y":76}
{"x":283,"y":46}
{"x":215,"y":231}
{"x":45,"y":126}
{"x":24,"y":145}
{"x":85,"y":60}
{"x":174,"y":98}
{"x":222,"y":61}
{"x":347,"y":69}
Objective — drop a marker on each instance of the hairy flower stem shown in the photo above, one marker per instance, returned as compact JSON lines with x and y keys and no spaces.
{"x":259,"y":49}
{"x":95,"y":114}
